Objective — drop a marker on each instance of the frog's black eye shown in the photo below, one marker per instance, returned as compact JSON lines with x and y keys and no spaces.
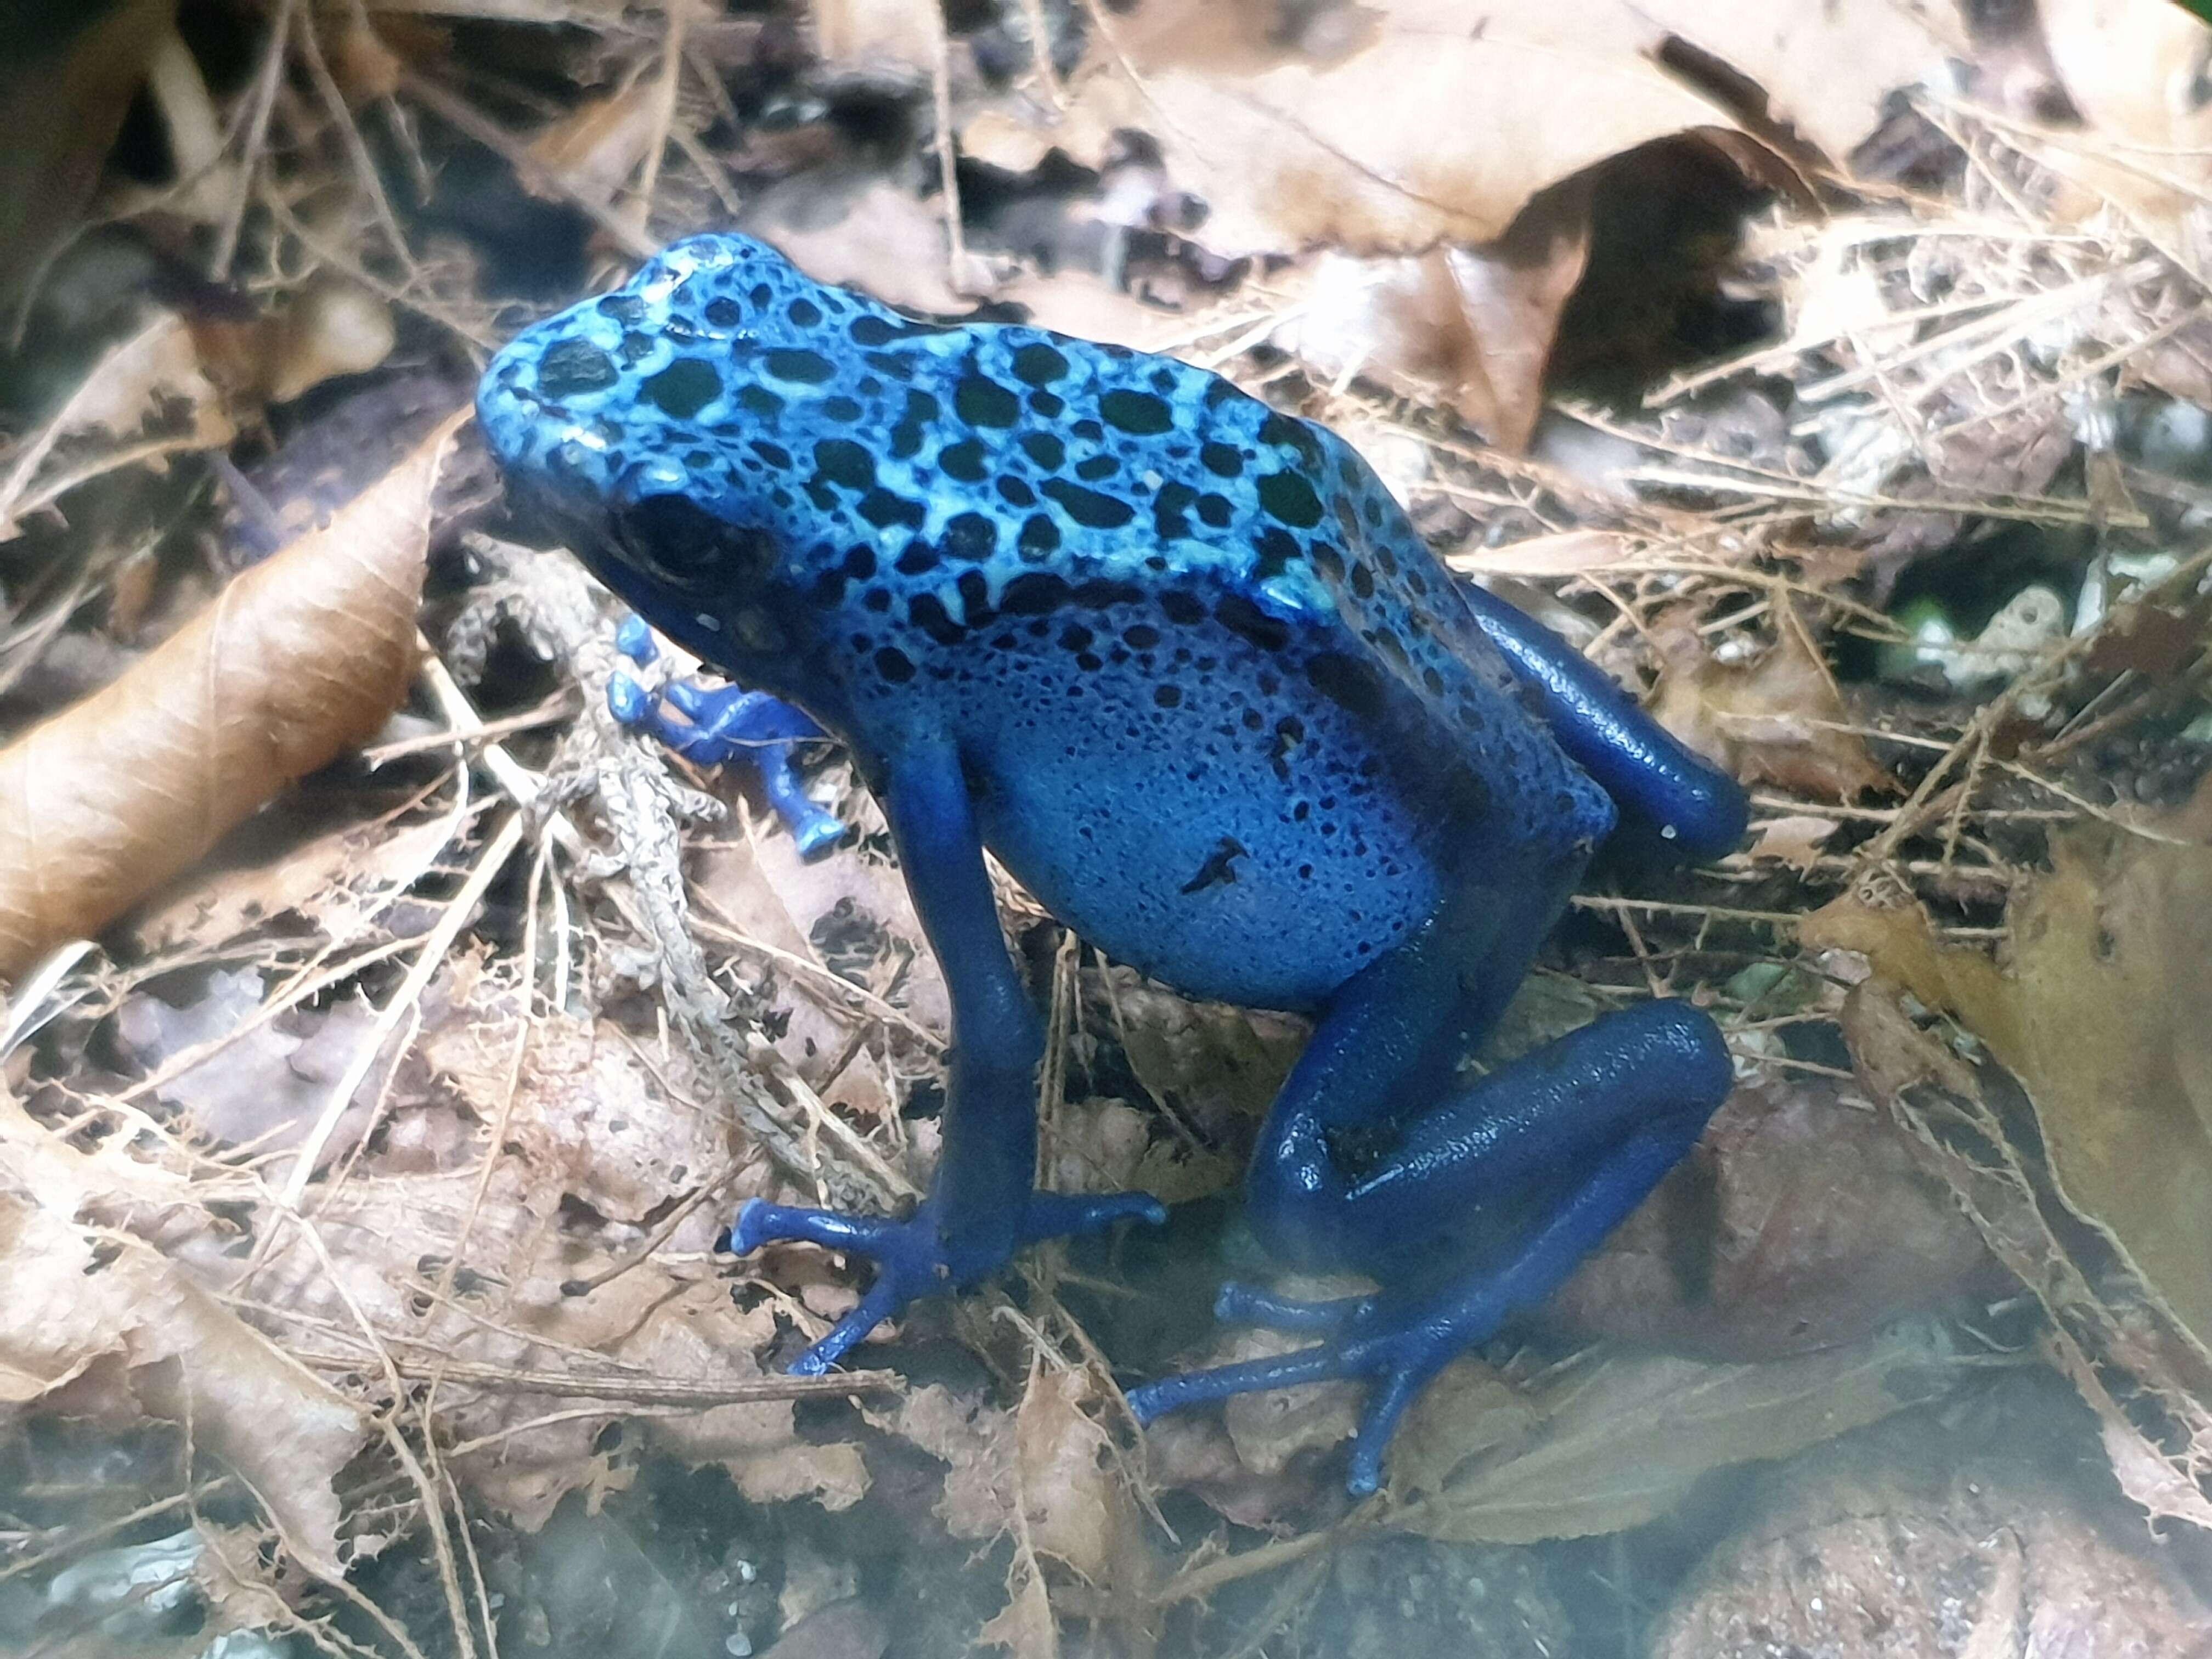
{"x":674,"y":538}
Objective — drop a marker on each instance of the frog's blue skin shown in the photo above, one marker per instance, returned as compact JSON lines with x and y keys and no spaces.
{"x":720,"y":728}
{"x":1184,"y":666}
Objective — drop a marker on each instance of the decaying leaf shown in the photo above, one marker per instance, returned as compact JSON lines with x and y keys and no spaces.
{"x":1617,"y":1439}
{"x":301,"y":659}
{"x":149,"y":394}
{"x":2097,"y":1013}
{"x":2132,"y":1364}
{"x":78,"y":1295}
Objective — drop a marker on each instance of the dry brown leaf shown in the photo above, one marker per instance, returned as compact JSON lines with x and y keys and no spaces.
{"x":1024,"y":1627}
{"x":882,"y":34}
{"x":299,"y":659}
{"x":882,"y":240}
{"x":1468,"y":328}
{"x":1795,"y":839}
{"x":1776,"y":721}
{"x":2099,"y":1017}
{"x":74,"y":1299}
{"x":1424,"y":125}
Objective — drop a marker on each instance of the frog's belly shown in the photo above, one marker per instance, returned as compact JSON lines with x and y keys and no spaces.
{"x":1211,"y":844}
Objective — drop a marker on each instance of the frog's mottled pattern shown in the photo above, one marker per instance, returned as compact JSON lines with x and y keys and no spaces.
{"x":926,"y":487}
{"x":1182,"y":665}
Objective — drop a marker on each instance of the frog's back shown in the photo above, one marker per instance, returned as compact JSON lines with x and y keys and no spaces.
{"x":1226,"y":714}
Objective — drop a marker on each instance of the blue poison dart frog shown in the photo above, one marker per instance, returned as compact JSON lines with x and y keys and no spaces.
{"x":1183,"y":666}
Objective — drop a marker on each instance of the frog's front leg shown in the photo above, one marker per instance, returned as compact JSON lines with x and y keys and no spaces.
{"x":1467,"y":1205}
{"x":721,"y":725}
{"x":983,"y":1205}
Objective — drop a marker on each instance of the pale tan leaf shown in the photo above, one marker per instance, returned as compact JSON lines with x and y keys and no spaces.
{"x":1827,"y":67}
{"x":2134,"y":69}
{"x":1432,"y":126}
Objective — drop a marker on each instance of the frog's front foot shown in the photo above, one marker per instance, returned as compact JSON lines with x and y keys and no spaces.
{"x":914,"y":1259}
{"x":720,"y":725}
{"x":1395,"y":1346}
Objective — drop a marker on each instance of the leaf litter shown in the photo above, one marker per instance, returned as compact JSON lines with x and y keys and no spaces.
{"x":369,"y":1171}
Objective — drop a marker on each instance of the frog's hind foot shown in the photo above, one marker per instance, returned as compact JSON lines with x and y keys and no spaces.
{"x":1397,"y":1350}
{"x":912,"y":1257}
{"x":722,"y":724}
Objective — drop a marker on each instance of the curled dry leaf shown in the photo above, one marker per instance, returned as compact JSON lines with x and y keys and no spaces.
{"x":297,"y":660}
{"x":149,"y":390}
{"x":1412,"y":124}
{"x":1470,"y":328}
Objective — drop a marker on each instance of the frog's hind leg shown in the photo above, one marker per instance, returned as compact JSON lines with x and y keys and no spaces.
{"x":1478,"y":1208}
{"x":1674,"y":806}
{"x":984,"y":1205}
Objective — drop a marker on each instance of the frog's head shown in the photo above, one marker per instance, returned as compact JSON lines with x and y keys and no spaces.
{"x":620,"y":426}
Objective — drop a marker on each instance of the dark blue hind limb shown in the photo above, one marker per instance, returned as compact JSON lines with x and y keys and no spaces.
{"x":1675,"y":807}
{"x":983,"y":1206}
{"x":1600,"y":1116}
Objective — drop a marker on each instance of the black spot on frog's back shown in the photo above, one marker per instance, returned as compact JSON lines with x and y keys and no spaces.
{"x":682,"y":389}
{"x":573,"y":367}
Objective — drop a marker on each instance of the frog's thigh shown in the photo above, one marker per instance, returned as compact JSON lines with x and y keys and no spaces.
{"x":1383,"y":1051}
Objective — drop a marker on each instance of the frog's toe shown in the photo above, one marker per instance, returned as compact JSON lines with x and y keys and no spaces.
{"x":1398,"y":1362}
{"x":1248,"y":1305}
{"x":1060,"y":1215}
{"x":719,"y":725}
{"x":909,"y":1263}
{"x":910,"y":1257}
